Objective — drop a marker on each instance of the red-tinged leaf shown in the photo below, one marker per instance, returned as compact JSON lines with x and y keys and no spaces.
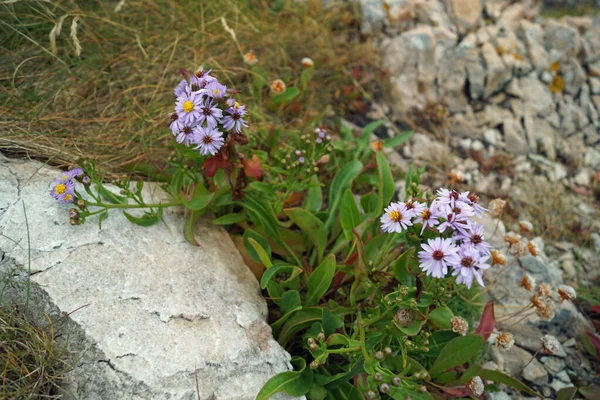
{"x":252,"y":166}
{"x":337,"y":280}
{"x":456,"y":391}
{"x":596,"y":309}
{"x":488,"y":321}
{"x":595,"y":340}
{"x":212,"y":164}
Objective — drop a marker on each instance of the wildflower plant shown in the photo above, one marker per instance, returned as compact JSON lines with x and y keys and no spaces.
{"x":359,"y":284}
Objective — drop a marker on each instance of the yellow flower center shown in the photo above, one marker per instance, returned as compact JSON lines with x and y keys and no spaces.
{"x":68,"y":197}
{"x":216,"y":92}
{"x":64,"y":178}
{"x":188,"y":106}
{"x":60,"y":188}
{"x":236,"y":105}
{"x":395,"y":216}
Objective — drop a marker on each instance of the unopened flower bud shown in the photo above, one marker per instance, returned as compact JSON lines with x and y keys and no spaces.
{"x":371,"y":395}
{"x":384,"y":388}
{"x":86,"y":180}
{"x":315,"y":364}
{"x":422,"y":389}
{"x":73,"y":213}
{"x":396,"y":381}
{"x":459,"y":325}
{"x":81,"y":204}
{"x":313,"y":346}
{"x":498,"y":258}
{"x":377,"y":377}
{"x":278,"y":86}
{"x":321,"y":337}
{"x":525,"y":226}
{"x":250,"y":58}
{"x":379,"y":355}
{"x":388,"y":351}
{"x":528,"y":282}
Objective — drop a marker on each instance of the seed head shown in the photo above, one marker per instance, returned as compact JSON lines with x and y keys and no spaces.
{"x":566,"y":292}
{"x":475,"y":385}
{"x":512,"y":238}
{"x":525,"y":226}
{"x":278,"y":86}
{"x":498,"y":258}
{"x":307,"y":62}
{"x":550,"y":345}
{"x":496,"y":207}
{"x":528,"y":282}
{"x":543,"y":289}
{"x":533,"y":249}
{"x":459,"y":325}
{"x":505,"y":341}
{"x":250,"y":58}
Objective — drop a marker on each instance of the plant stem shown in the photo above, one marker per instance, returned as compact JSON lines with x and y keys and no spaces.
{"x":156,"y":205}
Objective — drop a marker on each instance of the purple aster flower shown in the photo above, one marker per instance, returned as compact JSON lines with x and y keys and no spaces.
{"x":427,"y":218}
{"x":470,"y":266}
{"x":446,"y":196}
{"x":184,"y":135}
{"x":63,"y":191}
{"x":474,"y":237}
{"x":216,"y":90}
{"x":396,"y":218}
{"x":436,"y":256}
{"x":472,"y":200}
{"x":457,"y":217}
{"x":176,"y":125}
{"x":182,"y":88}
{"x":415,"y":207}
{"x":319,"y":140}
{"x":234,"y":121}
{"x":188,"y":108}
{"x":301,"y":160}
{"x":210,"y":113}
{"x":209,"y":139}
{"x":199,"y":84}
{"x":68,"y":176}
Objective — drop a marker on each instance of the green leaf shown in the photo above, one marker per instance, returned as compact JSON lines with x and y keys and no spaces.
{"x":290,"y":94}
{"x":290,"y":301}
{"x":229,"y":219}
{"x":386,"y":181}
{"x":333,"y":381}
{"x":499,"y":377}
{"x":457,"y":352}
{"x":566,"y":393}
{"x":110,"y":196}
{"x":263,"y":256}
{"x":342,"y":181}
{"x":402,"y":269}
{"x":397,"y":140}
{"x":201,"y":198}
{"x":330,"y":322}
{"x":295,"y":383}
{"x":319,"y":281}
{"x":412,"y":329}
{"x":271,"y":271}
{"x":590,"y":392}
{"x":345,"y":391}
{"x":346,"y":132}
{"x":148,"y":219}
{"x":311,"y":226}
{"x":440,"y":317}
{"x":300,"y":320}
{"x":314,"y":196}
{"x":365,"y":135}
{"x":349,"y":214}
{"x":251,"y":234}
{"x":101,"y":218}
{"x":190,"y":224}
{"x":317,"y":392}
{"x":264,"y":215}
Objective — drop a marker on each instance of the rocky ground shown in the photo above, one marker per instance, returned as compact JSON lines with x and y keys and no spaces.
{"x":507,"y":104}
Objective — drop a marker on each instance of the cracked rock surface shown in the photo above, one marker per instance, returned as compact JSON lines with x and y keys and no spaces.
{"x":151,"y":311}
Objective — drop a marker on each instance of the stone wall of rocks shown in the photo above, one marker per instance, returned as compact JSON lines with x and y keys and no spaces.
{"x":507,"y":79}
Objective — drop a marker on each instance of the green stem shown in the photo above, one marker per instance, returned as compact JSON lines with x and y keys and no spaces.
{"x":156,"y":205}
{"x":378,"y":318}
{"x":346,"y":350}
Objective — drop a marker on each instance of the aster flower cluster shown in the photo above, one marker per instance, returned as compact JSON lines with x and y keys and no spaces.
{"x":204,"y":114}
{"x":64,"y":187}
{"x":451,"y":212}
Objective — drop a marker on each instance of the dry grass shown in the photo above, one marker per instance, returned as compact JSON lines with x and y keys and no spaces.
{"x":110,"y":102}
{"x":33,"y":364}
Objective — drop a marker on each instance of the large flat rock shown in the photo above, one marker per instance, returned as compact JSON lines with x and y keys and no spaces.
{"x":153,"y":312}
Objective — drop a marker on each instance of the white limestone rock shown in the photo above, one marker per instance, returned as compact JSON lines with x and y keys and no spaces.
{"x":153,"y":310}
